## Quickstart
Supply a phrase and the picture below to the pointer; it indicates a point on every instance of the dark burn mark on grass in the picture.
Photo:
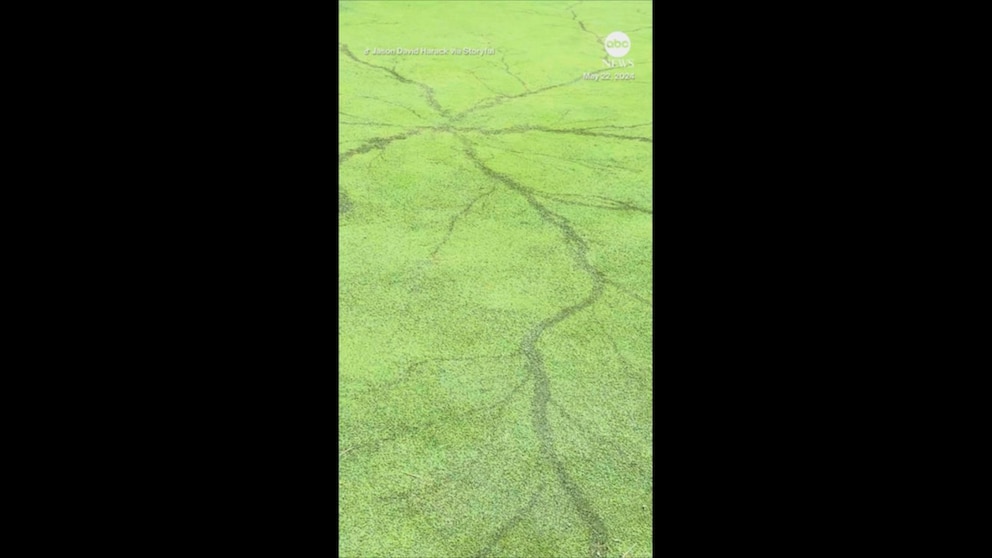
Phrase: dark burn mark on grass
(344, 203)
(615, 127)
(542, 396)
(428, 90)
(408, 372)
(570, 161)
(599, 40)
(534, 364)
(573, 131)
(494, 101)
(584, 429)
(465, 469)
(598, 533)
(629, 293)
(459, 215)
(375, 143)
(504, 529)
(506, 68)
(599, 202)
(495, 410)
(484, 84)
(381, 124)
(616, 349)
(395, 104)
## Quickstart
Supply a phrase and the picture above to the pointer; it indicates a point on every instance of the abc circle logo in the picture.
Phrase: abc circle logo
(617, 44)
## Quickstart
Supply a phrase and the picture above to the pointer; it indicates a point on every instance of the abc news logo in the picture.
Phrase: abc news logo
(617, 45)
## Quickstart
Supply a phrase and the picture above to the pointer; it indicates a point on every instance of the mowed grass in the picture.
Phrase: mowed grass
(454, 248)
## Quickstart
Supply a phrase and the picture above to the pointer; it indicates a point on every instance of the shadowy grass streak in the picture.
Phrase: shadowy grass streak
(598, 532)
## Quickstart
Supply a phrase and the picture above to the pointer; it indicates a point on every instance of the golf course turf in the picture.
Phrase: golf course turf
(495, 260)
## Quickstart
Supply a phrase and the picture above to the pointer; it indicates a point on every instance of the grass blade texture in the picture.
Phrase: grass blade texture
(495, 216)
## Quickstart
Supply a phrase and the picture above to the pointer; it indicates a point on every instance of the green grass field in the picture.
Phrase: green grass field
(495, 215)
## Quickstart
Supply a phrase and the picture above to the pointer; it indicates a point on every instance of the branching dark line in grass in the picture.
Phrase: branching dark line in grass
(590, 197)
(495, 410)
(459, 215)
(374, 143)
(507, 526)
(614, 127)
(428, 90)
(453, 476)
(493, 101)
(542, 396)
(407, 372)
(598, 532)
(344, 202)
(484, 84)
(382, 124)
(585, 430)
(596, 206)
(610, 204)
(571, 162)
(395, 104)
(629, 293)
(368, 166)
(466, 469)
(573, 131)
(506, 68)
(562, 116)
(574, 243)
(534, 12)
(638, 374)
(599, 40)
